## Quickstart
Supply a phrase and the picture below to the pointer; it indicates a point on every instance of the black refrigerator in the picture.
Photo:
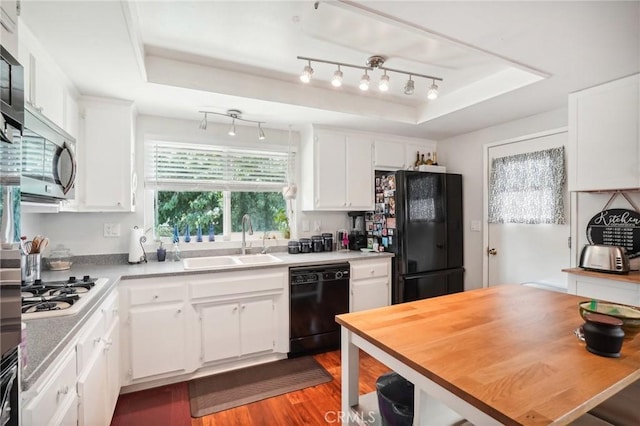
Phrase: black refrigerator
(418, 216)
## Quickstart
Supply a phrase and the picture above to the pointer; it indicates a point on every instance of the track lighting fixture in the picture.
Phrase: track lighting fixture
(234, 114)
(409, 87)
(336, 81)
(433, 91)
(373, 63)
(384, 82)
(307, 72)
(364, 82)
(203, 123)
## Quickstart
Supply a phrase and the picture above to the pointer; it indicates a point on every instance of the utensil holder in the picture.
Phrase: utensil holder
(30, 266)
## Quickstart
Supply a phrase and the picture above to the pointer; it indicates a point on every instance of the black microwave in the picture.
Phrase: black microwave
(11, 95)
(48, 160)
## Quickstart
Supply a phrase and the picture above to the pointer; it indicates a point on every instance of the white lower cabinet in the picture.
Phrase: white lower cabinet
(370, 284)
(81, 387)
(627, 293)
(232, 330)
(157, 334)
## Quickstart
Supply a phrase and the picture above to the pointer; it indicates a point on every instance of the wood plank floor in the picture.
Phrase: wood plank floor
(317, 405)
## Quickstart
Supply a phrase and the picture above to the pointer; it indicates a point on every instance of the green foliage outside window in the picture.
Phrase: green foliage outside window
(207, 207)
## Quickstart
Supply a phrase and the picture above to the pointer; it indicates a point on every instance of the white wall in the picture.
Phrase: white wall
(83, 232)
(463, 154)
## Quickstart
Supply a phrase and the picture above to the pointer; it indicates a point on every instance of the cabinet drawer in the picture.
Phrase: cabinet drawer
(156, 294)
(362, 270)
(226, 284)
(90, 340)
(53, 394)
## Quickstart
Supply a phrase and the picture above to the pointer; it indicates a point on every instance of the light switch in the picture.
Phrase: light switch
(476, 225)
(316, 226)
(305, 226)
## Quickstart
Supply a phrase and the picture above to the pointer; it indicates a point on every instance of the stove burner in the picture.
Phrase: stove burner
(47, 306)
(66, 290)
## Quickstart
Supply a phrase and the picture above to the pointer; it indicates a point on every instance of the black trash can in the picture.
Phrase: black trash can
(395, 400)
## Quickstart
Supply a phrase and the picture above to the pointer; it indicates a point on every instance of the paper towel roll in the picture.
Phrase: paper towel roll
(136, 254)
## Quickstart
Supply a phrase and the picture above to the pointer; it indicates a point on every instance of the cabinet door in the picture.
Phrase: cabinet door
(9, 26)
(330, 171)
(68, 414)
(106, 170)
(220, 332)
(603, 136)
(359, 171)
(47, 92)
(158, 340)
(92, 392)
(112, 359)
(369, 294)
(257, 330)
(389, 155)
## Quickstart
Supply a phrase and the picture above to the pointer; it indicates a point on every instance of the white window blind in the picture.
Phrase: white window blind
(173, 166)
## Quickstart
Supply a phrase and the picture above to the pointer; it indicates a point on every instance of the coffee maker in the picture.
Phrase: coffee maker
(357, 231)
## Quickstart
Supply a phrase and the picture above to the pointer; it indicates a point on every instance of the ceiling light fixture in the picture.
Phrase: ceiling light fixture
(409, 87)
(373, 63)
(432, 93)
(307, 72)
(384, 82)
(336, 81)
(203, 123)
(364, 81)
(234, 114)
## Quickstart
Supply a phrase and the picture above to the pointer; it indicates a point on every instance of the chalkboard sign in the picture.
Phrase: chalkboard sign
(616, 227)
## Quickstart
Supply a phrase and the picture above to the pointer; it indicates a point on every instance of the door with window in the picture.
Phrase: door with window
(527, 211)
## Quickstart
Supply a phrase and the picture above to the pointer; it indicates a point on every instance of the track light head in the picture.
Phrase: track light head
(203, 123)
(307, 73)
(261, 135)
(232, 129)
(409, 87)
(364, 81)
(336, 81)
(384, 82)
(432, 93)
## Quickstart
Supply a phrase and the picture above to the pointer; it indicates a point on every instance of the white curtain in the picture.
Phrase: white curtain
(528, 188)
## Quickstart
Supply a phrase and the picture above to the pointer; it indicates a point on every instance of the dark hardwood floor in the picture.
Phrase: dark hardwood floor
(317, 405)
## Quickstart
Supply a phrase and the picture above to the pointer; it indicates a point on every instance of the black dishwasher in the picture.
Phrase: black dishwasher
(317, 295)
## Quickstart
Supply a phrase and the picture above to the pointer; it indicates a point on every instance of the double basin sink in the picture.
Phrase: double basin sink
(225, 262)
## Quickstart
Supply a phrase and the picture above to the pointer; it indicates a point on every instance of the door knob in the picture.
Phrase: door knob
(492, 251)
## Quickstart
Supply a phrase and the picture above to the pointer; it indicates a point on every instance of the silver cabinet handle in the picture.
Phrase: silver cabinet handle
(63, 391)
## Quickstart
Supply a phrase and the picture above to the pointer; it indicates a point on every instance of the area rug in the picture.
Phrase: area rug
(231, 389)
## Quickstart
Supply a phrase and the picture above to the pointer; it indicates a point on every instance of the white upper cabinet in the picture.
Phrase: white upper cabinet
(106, 178)
(46, 88)
(395, 153)
(604, 143)
(389, 155)
(9, 26)
(337, 171)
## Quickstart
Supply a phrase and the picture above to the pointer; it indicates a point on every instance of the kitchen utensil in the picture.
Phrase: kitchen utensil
(629, 315)
(35, 244)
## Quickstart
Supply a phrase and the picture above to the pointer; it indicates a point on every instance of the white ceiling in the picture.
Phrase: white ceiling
(500, 61)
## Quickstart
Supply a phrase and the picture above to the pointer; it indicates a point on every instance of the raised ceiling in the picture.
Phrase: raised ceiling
(499, 60)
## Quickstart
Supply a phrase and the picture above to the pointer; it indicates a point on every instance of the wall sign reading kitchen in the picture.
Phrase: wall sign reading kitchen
(616, 227)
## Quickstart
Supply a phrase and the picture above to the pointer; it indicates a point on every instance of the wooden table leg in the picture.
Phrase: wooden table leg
(350, 360)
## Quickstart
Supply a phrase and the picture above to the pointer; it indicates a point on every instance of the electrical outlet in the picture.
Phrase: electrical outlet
(111, 230)
(476, 225)
(316, 226)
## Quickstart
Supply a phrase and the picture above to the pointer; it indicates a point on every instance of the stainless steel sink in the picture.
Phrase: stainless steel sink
(224, 262)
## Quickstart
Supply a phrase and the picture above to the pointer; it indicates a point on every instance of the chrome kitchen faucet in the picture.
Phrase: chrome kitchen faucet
(246, 218)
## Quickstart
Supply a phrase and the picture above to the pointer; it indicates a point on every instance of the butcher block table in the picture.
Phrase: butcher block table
(499, 355)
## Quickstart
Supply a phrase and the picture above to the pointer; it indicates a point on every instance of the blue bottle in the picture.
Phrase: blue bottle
(199, 234)
(211, 236)
(187, 237)
(176, 235)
